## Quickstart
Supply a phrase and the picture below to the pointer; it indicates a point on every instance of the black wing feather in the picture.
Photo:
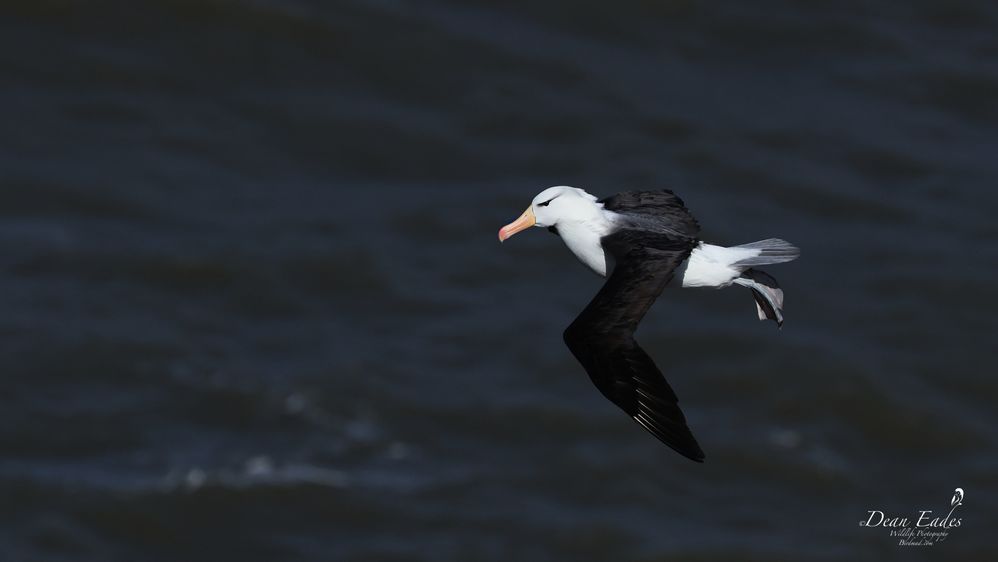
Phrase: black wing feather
(602, 337)
(656, 211)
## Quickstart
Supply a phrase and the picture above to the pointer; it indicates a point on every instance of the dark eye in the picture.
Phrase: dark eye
(546, 203)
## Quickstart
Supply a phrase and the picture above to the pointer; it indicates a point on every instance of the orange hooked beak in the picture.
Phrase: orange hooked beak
(525, 221)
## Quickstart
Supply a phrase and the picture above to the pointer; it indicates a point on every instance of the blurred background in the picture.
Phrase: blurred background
(253, 307)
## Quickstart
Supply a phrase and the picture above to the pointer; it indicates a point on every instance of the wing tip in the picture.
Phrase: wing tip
(698, 458)
(694, 453)
(686, 445)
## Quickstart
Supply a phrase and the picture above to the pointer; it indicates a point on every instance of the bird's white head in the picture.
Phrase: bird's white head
(554, 206)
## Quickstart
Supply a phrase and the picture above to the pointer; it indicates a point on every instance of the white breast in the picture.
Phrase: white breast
(583, 239)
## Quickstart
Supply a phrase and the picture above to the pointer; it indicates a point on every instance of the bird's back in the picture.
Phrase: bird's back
(660, 211)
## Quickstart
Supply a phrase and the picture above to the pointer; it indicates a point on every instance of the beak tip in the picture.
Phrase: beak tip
(525, 220)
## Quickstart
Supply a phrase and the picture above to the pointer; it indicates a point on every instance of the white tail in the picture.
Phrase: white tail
(717, 266)
(768, 251)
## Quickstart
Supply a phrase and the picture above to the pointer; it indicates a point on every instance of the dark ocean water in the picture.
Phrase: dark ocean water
(252, 304)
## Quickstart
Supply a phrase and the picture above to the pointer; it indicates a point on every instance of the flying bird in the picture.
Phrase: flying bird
(644, 239)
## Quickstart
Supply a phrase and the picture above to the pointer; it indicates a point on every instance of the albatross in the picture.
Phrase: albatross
(644, 239)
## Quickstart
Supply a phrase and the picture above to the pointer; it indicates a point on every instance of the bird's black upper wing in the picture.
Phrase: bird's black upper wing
(659, 211)
(602, 337)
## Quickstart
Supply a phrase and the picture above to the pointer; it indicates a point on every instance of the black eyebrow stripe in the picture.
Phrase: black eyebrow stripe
(545, 204)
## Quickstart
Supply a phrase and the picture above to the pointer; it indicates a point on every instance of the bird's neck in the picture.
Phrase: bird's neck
(583, 239)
